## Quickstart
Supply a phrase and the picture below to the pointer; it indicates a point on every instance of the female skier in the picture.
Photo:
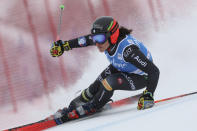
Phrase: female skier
(131, 68)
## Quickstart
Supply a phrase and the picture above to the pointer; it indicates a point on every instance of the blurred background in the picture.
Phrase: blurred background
(28, 27)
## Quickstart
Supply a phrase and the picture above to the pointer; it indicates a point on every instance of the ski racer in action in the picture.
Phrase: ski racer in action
(131, 68)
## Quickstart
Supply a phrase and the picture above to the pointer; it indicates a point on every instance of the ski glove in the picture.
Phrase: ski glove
(58, 48)
(145, 101)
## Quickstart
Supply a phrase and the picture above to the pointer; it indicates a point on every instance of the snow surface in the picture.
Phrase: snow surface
(174, 50)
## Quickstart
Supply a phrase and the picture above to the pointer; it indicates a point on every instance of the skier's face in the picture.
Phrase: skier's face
(102, 47)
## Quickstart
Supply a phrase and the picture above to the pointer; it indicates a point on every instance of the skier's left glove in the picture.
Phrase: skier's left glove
(145, 101)
(58, 48)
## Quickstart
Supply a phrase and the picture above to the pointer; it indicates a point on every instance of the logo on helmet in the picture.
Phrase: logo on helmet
(97, 26)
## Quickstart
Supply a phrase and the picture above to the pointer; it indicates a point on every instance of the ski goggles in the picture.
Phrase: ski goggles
(99, 38)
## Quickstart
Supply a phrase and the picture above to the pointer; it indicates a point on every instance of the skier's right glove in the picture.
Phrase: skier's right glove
(58, 48)
(145, 101)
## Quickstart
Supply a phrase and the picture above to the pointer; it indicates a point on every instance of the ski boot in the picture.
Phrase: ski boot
(60, 113)
(74, 113)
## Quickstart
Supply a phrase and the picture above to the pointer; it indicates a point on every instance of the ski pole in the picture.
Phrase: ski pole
(60, 22)
(175, 97)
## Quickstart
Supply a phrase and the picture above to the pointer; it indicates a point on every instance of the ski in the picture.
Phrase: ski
(45, 124)
(36, 126)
